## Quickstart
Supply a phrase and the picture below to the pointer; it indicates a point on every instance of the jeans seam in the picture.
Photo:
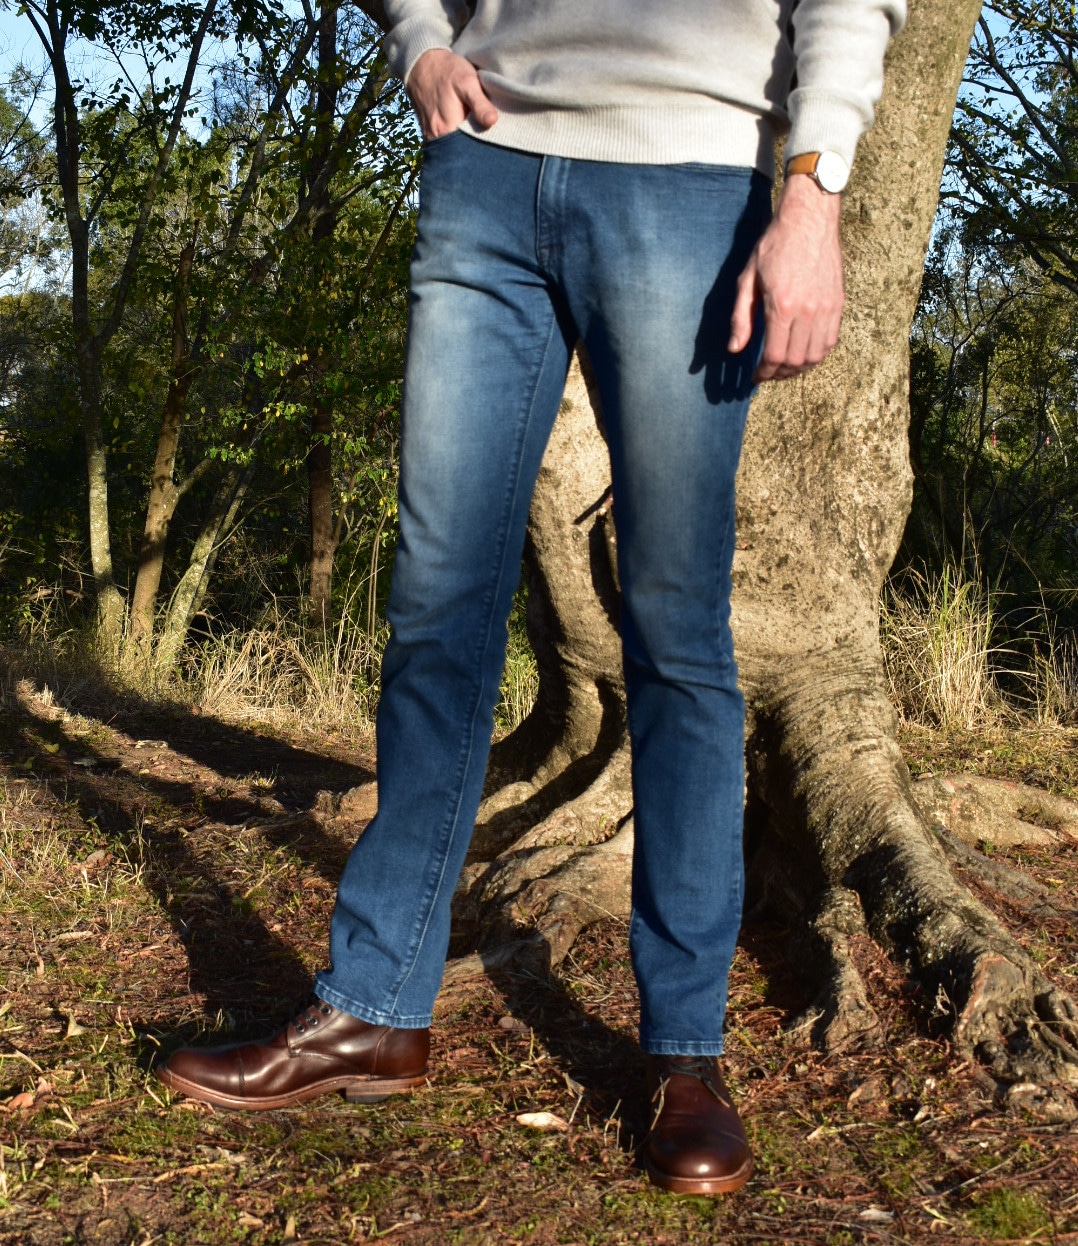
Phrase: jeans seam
(448, 831)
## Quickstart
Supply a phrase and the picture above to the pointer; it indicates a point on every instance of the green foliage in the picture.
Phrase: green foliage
(993, 386)
(1005, 1214)
(1015, 138)
(994, 395)
(293, 218)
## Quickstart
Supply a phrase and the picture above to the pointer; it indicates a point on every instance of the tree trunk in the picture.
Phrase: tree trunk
(838, 845)
(323, 530)
(110, 603)
(164, 493)
(320, 454)
(187, 598)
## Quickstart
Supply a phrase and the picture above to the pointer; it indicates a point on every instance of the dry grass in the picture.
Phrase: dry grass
(277, 672)
(520, 684)
(947, 672)
(280, 672)
(1054, 679)
(937, 643)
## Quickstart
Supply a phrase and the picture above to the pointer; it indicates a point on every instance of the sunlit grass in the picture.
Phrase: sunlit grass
(937, 641)
(947, 670)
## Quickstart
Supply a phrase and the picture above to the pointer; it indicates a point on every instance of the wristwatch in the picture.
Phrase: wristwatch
(827, 167)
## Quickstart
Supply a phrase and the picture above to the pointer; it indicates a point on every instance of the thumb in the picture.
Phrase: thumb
(478, 104)
(744, 307)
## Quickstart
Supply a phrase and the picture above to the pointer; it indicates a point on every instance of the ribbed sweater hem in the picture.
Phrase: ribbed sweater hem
(712, 132)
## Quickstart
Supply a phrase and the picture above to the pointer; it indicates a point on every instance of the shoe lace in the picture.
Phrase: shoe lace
(309, 1015)
(700, 1067)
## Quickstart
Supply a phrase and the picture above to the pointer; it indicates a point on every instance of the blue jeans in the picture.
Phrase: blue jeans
(517, 256)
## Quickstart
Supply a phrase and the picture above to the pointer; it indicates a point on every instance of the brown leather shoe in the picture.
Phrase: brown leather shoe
(697, 1143)
(320, 1050)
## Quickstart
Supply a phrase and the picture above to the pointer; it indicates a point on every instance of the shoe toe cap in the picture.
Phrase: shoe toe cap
(190, 1068)
(700, 1155)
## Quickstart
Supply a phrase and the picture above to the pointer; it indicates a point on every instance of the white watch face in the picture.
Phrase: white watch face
(832, 172)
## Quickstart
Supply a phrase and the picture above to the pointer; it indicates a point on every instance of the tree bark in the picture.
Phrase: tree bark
(110, 603)
(320, 454)
(838, 846)
(187, 598)
(320, 506)
(164, 492)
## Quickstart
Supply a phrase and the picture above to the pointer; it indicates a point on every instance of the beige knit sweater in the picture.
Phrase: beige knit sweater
(663, 81)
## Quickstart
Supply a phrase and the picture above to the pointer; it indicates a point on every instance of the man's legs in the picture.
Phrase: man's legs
(646, 259)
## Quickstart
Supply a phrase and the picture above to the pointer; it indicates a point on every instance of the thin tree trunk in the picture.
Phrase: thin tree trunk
(323, 529)
(188, 596)
(320, 454)
(110, 604)
(164, 493)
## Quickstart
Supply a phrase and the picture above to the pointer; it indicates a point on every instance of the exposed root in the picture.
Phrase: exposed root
(588, 817)
(577, 808)
(979, 810)
(1018, 1026)
(1050, 1104)
(1003, 879)
(840, 1018)
(555, 891)
(518, 956)
(844, 816)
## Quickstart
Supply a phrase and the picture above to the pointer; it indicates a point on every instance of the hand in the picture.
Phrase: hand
(445, 89)
(796, 272)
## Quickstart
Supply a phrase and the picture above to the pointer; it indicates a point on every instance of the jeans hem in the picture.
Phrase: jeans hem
(671, 1047)
(372, 1016)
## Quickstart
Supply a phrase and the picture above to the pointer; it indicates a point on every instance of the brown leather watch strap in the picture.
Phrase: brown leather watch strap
(805, 163)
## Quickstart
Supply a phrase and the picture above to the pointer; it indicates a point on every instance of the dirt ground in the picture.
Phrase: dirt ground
(168, 877)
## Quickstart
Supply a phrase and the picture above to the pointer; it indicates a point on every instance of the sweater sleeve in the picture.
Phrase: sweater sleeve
(416, 26)
(839, 46)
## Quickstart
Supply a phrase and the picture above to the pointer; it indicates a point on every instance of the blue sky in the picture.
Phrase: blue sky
(17, 39)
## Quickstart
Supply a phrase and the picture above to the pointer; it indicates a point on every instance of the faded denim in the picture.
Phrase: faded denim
(517, 256)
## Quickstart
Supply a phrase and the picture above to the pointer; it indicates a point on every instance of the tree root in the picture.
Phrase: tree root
(553, 891)
(564, 811)
(844, 818)
(979, 810)
(840, 1018)
(1003, 879)
(1024, 1033)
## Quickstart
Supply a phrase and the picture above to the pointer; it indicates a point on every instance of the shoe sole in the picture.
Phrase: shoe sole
(356, 1090)
(699, 1185)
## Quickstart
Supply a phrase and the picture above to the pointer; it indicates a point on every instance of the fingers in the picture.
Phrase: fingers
(793, 346)
(744, 309)
(796, 342)
(445, 89)
(796, 273)
(476, 102)
(800, 327)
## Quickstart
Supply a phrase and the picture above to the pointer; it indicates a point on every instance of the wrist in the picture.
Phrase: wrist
(802, 197)
(427, 59)
(826, 168)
